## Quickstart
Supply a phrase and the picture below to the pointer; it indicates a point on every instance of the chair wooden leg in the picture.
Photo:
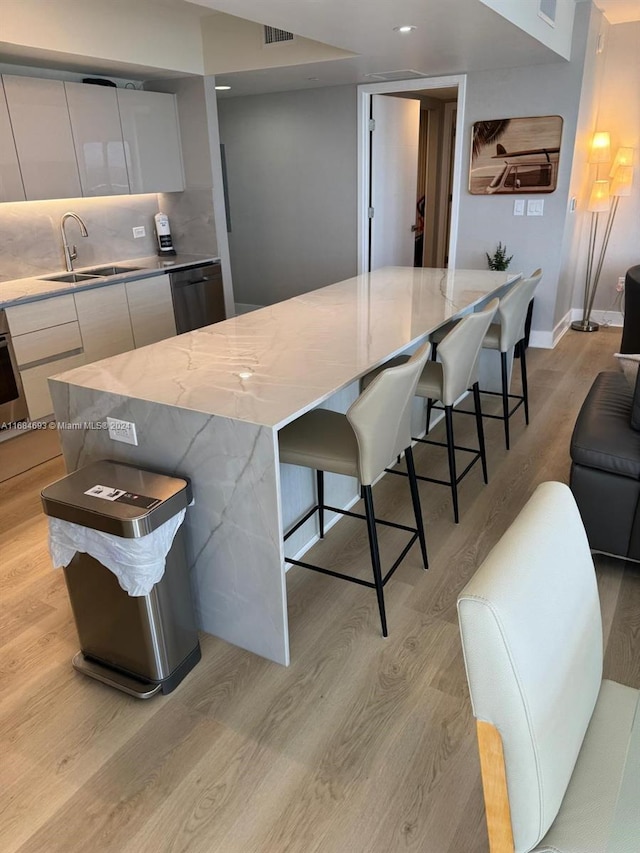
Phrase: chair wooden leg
(480, 428)
(494, 785)
(448, 415)
(415, 497)
(320, 487)
(505, 397)
(375, 555)
(525, 387)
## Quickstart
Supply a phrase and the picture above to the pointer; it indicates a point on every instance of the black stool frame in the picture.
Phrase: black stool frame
(379, 581)
(478, 453)
(523, 399)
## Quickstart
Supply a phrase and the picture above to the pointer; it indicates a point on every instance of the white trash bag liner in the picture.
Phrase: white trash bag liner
(137, 563)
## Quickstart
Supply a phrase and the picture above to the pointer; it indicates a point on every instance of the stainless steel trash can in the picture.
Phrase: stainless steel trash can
(144, 644)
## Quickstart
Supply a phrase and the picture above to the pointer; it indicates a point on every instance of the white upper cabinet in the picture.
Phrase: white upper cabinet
(11, 188)
(97, 136)
(151, 140)
(42, 132)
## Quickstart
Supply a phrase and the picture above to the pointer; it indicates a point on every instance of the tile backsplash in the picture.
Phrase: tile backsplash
(31, 245)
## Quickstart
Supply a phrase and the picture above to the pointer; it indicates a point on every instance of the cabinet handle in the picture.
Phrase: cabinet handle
(50, 359)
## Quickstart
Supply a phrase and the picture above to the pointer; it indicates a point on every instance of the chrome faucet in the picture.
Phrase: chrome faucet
(70, 252)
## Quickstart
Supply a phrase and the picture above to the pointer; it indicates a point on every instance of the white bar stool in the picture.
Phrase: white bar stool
(509, 332)
(376, 429)
(446, 381)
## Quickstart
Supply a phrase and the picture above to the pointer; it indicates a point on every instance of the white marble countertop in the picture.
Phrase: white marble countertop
(271, 365)
(32, 289)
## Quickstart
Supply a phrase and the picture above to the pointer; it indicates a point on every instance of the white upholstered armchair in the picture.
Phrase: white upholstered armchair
(559, 751)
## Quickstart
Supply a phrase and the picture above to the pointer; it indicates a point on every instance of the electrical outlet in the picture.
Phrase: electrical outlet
(518, 207)
(124, 431)
(620, 284)
(139, 231)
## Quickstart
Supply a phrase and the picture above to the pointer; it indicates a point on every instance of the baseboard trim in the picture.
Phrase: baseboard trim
(549, 340)
(27, 449)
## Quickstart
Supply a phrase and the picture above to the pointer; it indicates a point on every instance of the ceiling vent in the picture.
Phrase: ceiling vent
(272, 35)
(547, 11)
(393, 76)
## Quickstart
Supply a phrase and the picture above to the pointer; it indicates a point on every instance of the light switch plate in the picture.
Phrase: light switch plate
(518, 207)
(535, 207)
(139, 231)
(124, 431)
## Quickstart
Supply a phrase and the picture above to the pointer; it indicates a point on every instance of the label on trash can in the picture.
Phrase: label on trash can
(108, 493)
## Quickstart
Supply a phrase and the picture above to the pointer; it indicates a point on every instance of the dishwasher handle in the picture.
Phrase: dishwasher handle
(197, 281)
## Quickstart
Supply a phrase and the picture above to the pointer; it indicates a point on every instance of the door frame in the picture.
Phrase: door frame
(365, 91)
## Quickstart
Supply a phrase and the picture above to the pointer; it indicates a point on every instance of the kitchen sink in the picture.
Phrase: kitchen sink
(105, 271)
(71, 277)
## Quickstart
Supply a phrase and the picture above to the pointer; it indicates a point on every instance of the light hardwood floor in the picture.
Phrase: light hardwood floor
(363, 745)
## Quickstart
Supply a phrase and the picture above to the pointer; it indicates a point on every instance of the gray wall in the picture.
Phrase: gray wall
(291, 165)
(552, 89)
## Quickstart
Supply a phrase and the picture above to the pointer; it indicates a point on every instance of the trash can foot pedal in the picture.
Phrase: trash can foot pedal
(132, 686)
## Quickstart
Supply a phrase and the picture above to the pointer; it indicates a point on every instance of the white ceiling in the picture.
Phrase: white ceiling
(620, 11)
(451, 36)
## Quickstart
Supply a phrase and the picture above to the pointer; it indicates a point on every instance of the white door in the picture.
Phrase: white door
(394, 179)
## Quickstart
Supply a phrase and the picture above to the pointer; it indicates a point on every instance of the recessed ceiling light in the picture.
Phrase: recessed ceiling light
(404, 29)
(222, 88)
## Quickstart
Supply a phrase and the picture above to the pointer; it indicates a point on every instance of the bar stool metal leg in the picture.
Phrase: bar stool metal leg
(451, 450)
(480, 428)
(375, 555)
(415, 497)
(320, 488)
(505, 397)
(429, 407)
(525, 387)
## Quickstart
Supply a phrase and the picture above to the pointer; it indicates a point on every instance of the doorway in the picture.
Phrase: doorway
(434, 190)
(410, 167)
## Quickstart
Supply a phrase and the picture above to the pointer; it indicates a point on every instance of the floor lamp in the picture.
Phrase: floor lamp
(605, 197)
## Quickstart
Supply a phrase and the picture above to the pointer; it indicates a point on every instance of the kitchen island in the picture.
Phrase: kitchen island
(208, 405)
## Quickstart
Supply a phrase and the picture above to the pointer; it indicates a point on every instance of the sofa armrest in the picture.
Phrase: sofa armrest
(602, 437)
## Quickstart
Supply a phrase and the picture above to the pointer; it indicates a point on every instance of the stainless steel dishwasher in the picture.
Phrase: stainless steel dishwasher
(198, 297)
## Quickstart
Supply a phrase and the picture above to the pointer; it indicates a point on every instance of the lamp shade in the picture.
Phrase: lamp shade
(599, 198)
(624, 157)
(600, 148)
(622, 180)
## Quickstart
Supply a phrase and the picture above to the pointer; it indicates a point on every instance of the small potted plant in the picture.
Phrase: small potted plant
(499, 260)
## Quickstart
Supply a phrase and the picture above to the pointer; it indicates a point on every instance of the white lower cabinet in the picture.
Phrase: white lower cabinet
(57, 334)
(103, 315)
(151, 310)
(36, 386)
(46, 340)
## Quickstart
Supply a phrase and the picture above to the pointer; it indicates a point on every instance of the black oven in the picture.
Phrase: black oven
(13, 406)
